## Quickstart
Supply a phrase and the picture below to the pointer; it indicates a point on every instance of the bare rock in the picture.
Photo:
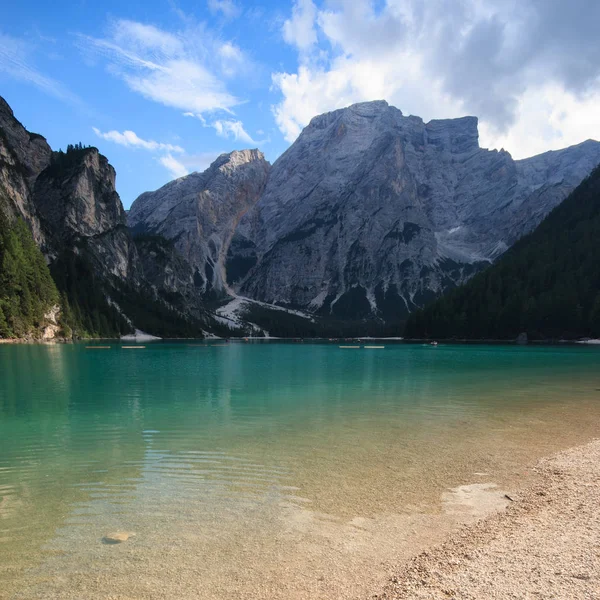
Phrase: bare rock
(201, 211)
(117, 537)
(371, 212)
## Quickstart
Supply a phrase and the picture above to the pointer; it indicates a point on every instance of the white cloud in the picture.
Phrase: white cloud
(314, 90)
(175, 167)
(228, 8)
(201, 161)
(183, 70)
(232, 59)
(131, 139)
(300, 30)
(530, 71)
(548, 118)
(178, 166)
(234, 129)
(16, 62)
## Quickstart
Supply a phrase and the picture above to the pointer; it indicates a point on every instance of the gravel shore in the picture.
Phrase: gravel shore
(545, 545)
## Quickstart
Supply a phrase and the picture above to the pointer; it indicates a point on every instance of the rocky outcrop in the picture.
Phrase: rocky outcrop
(52, 328)
(78, 205)
(68, 200)
(201, 211)
(23, 156)
(371, 213)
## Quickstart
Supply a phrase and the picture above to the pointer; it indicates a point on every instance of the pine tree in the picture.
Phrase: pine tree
(547, 284)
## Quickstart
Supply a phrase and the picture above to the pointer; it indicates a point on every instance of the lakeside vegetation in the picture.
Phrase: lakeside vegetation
(547, 285)
(27, 291)
(280, 323)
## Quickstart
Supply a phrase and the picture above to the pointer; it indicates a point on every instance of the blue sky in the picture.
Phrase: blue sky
(162, 87)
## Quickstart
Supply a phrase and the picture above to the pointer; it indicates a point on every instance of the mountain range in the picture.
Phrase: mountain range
(368, 216)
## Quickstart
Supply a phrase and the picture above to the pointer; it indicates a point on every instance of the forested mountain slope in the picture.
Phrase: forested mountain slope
(67, 257)
(28, 296)
(547, 284)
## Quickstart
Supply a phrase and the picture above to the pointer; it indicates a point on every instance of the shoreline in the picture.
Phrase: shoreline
(544, 544)
(391, 340)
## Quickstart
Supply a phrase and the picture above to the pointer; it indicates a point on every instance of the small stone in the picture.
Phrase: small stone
(117, 538)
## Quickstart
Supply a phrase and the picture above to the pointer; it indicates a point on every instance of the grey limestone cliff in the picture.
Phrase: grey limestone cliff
(77, 204)
(372, 213)
(69, 201)
(369, 213)
(200, 213)
(23, 156)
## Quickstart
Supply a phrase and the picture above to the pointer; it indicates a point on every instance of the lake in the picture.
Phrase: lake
(264, 470)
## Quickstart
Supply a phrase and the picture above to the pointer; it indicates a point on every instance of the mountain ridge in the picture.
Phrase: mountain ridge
(75, 217)
(368, 216)
(547, 286)
(371, 214)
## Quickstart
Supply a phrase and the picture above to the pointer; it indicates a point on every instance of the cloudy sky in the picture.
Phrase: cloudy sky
(162, 87)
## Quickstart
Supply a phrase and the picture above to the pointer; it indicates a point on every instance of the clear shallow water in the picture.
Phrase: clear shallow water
(261, 470)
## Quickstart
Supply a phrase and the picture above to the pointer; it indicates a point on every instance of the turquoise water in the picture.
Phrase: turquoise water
(260, 470)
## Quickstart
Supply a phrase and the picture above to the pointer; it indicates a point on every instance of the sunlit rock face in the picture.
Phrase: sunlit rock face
(80, 209)
(369, 213)
(373, 213)
(23, 156)
(69, 201)
(200, 212)
(71, 205)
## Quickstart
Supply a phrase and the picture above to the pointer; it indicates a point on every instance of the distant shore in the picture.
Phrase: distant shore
(151, 338)
(545, 544)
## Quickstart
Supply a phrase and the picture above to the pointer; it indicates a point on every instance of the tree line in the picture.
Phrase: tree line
(547, 285)
(27, 291)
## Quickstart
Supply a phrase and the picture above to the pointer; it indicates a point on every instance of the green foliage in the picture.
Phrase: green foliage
(153, 239)
(27, 291)
(154, 316)
(61, 162)
(86, 310)
(288, 325)
(547, 284)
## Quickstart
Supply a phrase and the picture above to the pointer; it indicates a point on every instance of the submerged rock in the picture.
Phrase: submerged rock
(117, 537)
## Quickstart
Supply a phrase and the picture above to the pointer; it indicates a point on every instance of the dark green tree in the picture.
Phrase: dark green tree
(547, 284)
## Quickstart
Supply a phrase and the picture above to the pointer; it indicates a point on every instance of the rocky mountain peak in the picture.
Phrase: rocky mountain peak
(458, 136)
(29, 149)
(76, 196)
(201, 211)
(237, 158)
(23, 155)
(370, 212)
(354, 112)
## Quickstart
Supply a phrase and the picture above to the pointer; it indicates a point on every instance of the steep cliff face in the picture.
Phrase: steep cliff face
(201, 211)
(70, 204)
(23, 156)
(371, 213)
(78, 206)
(104, 271)
(28, 296)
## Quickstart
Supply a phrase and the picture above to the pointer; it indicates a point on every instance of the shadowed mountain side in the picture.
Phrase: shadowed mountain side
(547, 284)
